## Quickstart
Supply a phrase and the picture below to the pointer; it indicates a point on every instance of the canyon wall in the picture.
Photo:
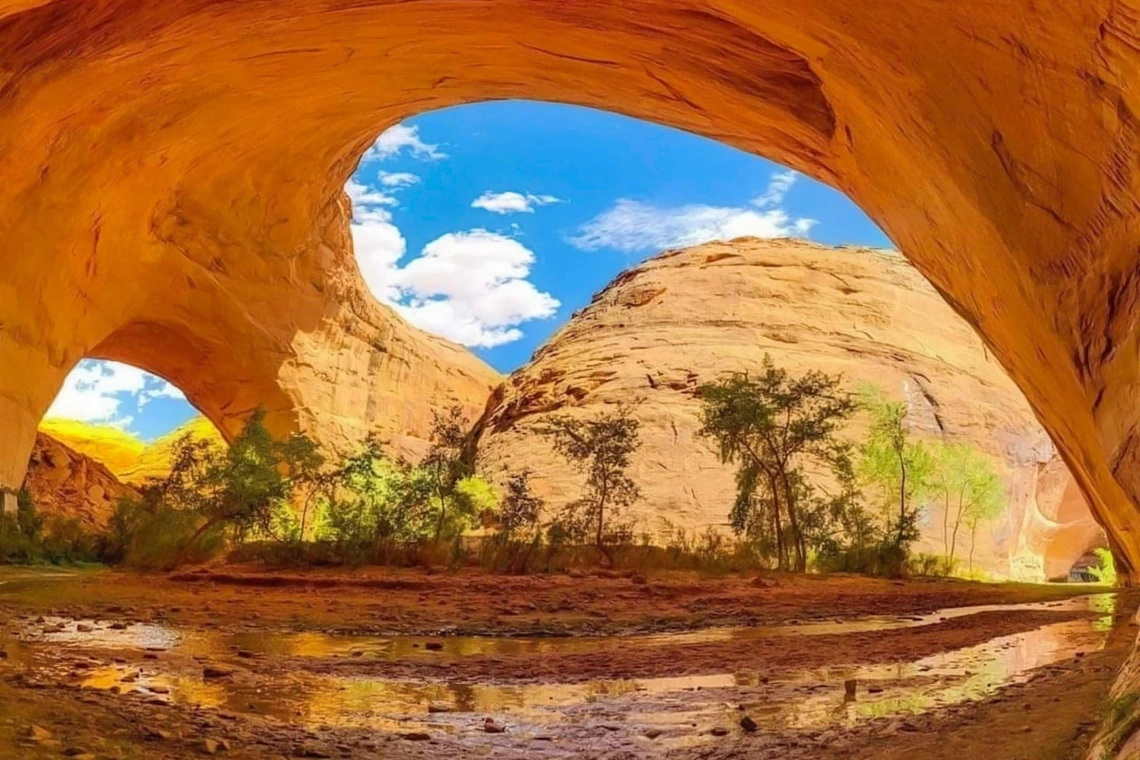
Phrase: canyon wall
(68, 484)
(172, 175)
(683, 318)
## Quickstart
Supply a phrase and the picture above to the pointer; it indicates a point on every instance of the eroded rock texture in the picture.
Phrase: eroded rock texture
(65, 483)
(170, 179)
(663, 328)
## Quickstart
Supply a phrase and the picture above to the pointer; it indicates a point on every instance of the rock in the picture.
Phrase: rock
(66, 483)
(719, 731)
(748, 724)
(416, 736)
(653, 733)
(440, 707)
(158, 735)
(215, 746)
(685, 317)
(216, 671)
(434, 646)
(849, 687)
(118, 626)
(492, 727)
(83, 628)
(37, 733)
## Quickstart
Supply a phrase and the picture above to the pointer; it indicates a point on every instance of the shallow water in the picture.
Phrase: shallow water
(680, 707)
(401, 648)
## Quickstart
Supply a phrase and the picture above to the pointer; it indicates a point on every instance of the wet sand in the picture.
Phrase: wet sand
(335, 665)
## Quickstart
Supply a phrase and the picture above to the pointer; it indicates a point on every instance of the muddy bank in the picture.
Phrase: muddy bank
(414, 601)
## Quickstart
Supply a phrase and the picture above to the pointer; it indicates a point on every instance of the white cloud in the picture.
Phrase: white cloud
(511, 202)
(778, 187)
(395, 140)
(97, 391)
(632, 226)
(362, 195)
(470, 287)
(379, 246)
(397, 179)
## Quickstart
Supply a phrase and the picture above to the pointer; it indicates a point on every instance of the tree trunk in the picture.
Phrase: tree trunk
(601, 512)
(957, 526)
(793, 519)
(181, 557)
(973, 537)
(946, 524)
(781, 558)
(902, 494)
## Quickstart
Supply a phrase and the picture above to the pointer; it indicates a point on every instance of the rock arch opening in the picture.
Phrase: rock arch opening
(445, 220)
(156, 177)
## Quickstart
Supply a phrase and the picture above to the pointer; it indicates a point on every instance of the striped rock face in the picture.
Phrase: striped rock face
(684, 318)
(171, 176)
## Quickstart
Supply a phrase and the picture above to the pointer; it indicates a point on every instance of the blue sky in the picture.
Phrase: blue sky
(490, 224)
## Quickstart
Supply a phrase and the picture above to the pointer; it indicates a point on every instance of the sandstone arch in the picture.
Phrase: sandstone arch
(154, 151)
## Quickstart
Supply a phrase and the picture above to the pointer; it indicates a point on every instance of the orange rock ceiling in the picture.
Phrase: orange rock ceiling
(171, 174)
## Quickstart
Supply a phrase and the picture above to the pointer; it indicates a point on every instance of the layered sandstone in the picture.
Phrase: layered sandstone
(67, 484)
(172, 175)
(683, 318)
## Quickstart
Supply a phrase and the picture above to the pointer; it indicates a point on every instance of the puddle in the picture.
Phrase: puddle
(680, 707)
(143, 635)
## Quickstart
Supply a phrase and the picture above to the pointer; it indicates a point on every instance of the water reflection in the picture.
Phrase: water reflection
(681, 706)
(807, 699)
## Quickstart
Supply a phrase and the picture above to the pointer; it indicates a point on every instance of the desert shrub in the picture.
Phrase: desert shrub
(20, 532)
(1105, 571)
(519, 536)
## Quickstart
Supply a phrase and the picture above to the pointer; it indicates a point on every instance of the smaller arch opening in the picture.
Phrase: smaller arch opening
(110, 430)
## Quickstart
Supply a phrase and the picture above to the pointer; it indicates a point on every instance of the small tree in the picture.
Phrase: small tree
(521, 508)
(600, 447)
(445, 459)
(772, 425)
(964, 480)
(896, 468)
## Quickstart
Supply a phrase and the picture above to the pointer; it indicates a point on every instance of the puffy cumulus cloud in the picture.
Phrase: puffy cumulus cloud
(470, 287)
(102, 392)
(379, 245)
(632, 226)
(399, 139)
(511, 202)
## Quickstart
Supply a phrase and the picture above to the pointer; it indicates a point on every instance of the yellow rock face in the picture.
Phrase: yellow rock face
(660, 330)
(171, 176)
(154, 459)
(116, 449)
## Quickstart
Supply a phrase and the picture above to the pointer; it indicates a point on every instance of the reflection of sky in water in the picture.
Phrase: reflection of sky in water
(809, 699)
(403, 648)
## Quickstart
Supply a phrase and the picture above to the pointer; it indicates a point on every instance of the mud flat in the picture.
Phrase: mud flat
(256, 665)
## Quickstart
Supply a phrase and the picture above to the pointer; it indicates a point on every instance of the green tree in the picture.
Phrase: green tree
(964, 481)
(445, 461)
(772, 426)
(600, 447)
(521, 509)
(894, 467)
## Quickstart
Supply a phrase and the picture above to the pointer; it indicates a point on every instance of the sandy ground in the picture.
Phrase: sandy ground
(413, 664)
